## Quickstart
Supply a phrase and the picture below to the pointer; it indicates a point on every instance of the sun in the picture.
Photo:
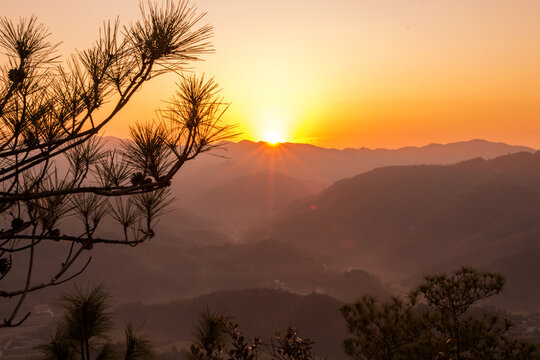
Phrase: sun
(273, 125)
(273, 137)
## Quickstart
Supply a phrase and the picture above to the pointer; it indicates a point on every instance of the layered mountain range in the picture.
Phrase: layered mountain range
(244, 221)
(413, 220)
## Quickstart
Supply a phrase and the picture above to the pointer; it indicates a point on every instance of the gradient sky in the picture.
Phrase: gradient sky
(348, 73)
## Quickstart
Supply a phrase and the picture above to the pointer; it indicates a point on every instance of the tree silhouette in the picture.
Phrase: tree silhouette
(87, 318)
(218, 338)
(211, 335)
(84, 330)
(51, 113)
(137, 347)
(434, 322)
(58, 347)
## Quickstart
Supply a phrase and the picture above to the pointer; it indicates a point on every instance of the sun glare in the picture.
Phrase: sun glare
(273, 126)
(273, 137)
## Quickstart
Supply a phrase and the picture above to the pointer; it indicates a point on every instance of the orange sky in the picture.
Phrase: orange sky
(349, 73)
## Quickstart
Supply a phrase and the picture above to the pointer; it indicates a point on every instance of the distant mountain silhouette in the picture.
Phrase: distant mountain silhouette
(246, 181)
(424, 219)
(416, 219)
(306, 161)
(260, 312)
(241, 183)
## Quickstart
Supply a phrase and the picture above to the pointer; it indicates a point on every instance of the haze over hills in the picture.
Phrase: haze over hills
(402, 219)
(365, 222)
(262, 177)
(248, 223)
(246, 182)
(245, 199)
(159, 271)
(410, 220)
(425, 219)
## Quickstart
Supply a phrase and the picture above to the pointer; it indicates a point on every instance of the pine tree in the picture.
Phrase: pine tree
(52, 113)
(434, 322)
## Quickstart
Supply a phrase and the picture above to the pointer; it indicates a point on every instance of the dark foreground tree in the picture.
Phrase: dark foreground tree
(137, 346)
(434, 322)
(218, 338)
(87, 318)
(83, 331)
(51, 114)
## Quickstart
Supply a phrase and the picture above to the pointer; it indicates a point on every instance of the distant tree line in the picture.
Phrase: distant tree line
(435, 321)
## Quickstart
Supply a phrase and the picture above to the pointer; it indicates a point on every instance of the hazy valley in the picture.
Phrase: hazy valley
(321, 227)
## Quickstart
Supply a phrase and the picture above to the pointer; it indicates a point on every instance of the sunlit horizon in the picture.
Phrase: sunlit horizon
(384, 74)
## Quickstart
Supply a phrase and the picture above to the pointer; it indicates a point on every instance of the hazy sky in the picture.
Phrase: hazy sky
(349, 73)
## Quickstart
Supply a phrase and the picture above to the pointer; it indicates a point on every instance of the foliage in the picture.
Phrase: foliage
(434, 322)
(52, 113)
(137, 346)
(218, 338)
(85, 327)
(290, 346)
(87, 317)
(58, 346)
(385, 331)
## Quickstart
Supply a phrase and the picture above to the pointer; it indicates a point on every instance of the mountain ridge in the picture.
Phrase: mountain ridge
(413, 219)
(477, 141)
